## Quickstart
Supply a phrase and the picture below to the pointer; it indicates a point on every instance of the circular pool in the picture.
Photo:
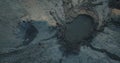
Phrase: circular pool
(80, 28)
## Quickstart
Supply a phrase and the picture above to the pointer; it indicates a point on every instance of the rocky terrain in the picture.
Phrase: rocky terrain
(59, 31)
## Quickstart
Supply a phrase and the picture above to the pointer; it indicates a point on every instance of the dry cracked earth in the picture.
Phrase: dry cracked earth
(59, 31)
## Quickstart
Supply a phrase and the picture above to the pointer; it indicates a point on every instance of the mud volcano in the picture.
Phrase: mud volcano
(76, 32)
(80, 28)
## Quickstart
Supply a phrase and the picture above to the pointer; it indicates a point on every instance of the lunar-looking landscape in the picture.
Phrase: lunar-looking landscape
(59, 31)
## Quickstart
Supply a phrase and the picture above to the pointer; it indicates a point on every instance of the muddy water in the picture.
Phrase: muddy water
(80, 28)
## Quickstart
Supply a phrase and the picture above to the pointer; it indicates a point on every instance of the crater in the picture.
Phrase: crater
(80, 29)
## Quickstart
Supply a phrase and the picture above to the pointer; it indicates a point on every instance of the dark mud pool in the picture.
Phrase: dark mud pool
(80, 28)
